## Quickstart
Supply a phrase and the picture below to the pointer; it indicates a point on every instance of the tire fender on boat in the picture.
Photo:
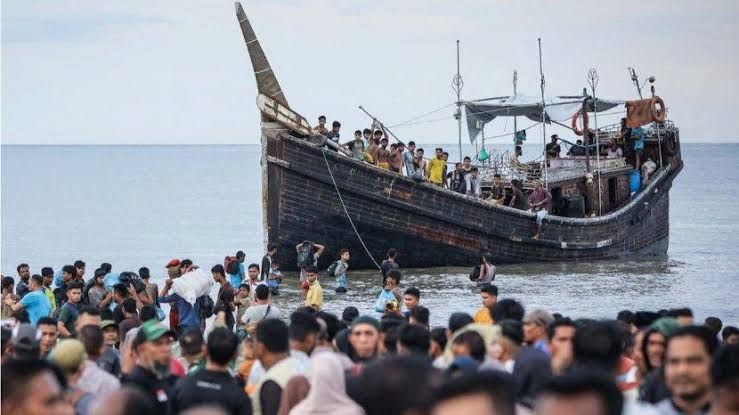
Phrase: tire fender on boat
(658, 115)
(579, 114)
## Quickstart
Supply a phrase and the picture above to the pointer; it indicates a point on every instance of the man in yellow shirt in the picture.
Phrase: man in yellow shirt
(489, 295)
(435, 168)
(314, 298)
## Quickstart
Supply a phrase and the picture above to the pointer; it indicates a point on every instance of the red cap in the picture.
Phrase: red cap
(172, 263)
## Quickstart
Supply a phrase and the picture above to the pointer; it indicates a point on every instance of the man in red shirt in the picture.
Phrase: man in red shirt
(539, 201)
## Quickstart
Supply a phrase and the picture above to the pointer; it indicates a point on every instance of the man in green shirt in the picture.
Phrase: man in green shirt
(48, 274)
(70, 310)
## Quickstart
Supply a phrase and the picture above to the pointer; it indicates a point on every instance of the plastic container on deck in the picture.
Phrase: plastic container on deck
(634, 181)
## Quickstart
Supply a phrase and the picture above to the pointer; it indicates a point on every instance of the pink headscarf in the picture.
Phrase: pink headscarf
(327, 394)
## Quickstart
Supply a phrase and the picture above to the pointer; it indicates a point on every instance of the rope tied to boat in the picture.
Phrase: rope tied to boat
(346, 211)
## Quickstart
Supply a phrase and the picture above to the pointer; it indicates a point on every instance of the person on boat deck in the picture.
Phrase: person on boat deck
(383, 155)
(647, 169)
(374, 146)
(321, 127)
(473, 182)
(456, 179)
(517, 199)
(517, 152)
(576, 150)
(497, 192)
(418, 174)
(396, 157)
(445, 157)
(467, 164)
(333, 135)
(357, 146)
(408, 159)
(553, 148)
(614, 151)
(420, 153)
(539, 200)
(435, 168)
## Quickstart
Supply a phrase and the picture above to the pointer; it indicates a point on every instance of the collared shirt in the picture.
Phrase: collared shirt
(538, 196)
(541, 345)
(314, 298)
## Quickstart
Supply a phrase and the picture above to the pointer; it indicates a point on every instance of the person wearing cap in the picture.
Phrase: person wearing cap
(35, 302)
(173, 268)
(535, 329)
(70, 356)
(364, 338)
(153, 349)
(26, 342)
(192, 348)
(110, 333)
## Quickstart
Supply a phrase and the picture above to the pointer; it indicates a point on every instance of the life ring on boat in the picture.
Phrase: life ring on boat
(669, 145)
(658, 115)
(579, 114)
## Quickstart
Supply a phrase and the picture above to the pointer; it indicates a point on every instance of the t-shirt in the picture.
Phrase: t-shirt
(538, 196)
(21, 289)
(127, 325)
(257, 313)
(96, 295)
(50, 295)
(207, 387)
(615, 154)
(408, 161)
(553, 149)
(436, 170)
(357, 148)
(37, 305)
(519, 202)
(68, 315)
(497, 192)
(386, 266)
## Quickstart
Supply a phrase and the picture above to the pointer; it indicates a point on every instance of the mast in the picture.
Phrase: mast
(457, 85)
(593, 80)
(515, 123)
(543, 118)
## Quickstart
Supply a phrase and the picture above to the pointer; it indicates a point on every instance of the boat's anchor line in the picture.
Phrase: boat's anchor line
(346, 212)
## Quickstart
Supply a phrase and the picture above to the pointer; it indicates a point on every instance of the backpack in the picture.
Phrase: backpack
(305, 255)
(475, 274)
(331, 270)
(231, 265)
(205, 306)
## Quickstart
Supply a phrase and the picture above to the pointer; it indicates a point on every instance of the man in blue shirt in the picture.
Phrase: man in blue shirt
(408, 159)
(188, 316)
(35, 302)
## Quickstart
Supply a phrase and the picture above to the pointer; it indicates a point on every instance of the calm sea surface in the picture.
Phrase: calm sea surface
(140, 206)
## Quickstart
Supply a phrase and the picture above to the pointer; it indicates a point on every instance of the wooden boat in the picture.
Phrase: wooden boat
(311, 191)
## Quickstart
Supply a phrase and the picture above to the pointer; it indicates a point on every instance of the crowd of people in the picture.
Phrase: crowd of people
(103, 345)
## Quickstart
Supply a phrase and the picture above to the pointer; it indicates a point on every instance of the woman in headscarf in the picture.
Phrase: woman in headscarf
(327, 389)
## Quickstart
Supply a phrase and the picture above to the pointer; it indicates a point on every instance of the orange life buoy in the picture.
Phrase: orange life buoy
(658, 115)
(577, 116)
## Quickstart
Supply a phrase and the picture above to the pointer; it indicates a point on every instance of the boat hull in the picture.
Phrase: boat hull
(430, 226)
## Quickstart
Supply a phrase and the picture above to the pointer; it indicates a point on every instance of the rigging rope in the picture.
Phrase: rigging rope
(341, 199)
(421, 116)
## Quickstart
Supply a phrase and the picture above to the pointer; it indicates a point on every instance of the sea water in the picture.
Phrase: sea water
(138, 206)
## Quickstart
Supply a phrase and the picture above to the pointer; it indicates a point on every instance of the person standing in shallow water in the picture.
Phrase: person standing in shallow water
(342, 266)
(388, 264)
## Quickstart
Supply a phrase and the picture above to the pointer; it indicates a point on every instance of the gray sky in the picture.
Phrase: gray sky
(94, 72)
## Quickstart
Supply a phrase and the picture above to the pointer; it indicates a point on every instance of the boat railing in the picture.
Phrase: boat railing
(652, 131)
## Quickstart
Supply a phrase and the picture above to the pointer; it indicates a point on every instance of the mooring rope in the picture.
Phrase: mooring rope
(341, 199)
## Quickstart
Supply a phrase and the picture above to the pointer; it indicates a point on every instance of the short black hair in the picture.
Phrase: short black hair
(459, 320)
(261, 292)
(725, 367)
(273, 333)
(185, 263)
(439, 149)
(39, 280)
(47, 321)
(90, 310)
(79, 263)
(332, 323)
(394, 274)
(311, 269)
(222, 345)
(421, 314)
(21, 266)
(366, 130)
(22, 372)
(91, 337)
(74, 285)
(106, 266)
(336, 124)
(577, 382)
(474, 342)
(272, 247)
(507, 309)
(489, 289)
(714, 323)
(598, 344)
(466, 158)
(680, 312)
(121, 289)
(7, 282)
(191, 341)
(498, 386)
(99, 273)
(511, 330)
(129, 305)
(321, 117)
(350, 313)
(357, 132)
(729, 331)
(415, 338)
(218, 269)
(702, 333)
(47, 272)
(69, 269)
(392, 252)
(413, 291)
(253, 265)
(302, 325)
(496, 176)
(438, 334)
(144, 273)
(559, 322)
(411, 143)
(627, 316)
(147, 312)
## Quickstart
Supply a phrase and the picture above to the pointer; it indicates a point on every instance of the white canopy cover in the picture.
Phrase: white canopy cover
(559, 109)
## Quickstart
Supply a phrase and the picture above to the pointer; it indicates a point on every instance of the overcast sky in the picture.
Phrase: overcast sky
(161, 72)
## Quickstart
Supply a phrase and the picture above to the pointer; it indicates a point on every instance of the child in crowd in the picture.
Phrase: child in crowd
(342, 265)
(275, 278)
